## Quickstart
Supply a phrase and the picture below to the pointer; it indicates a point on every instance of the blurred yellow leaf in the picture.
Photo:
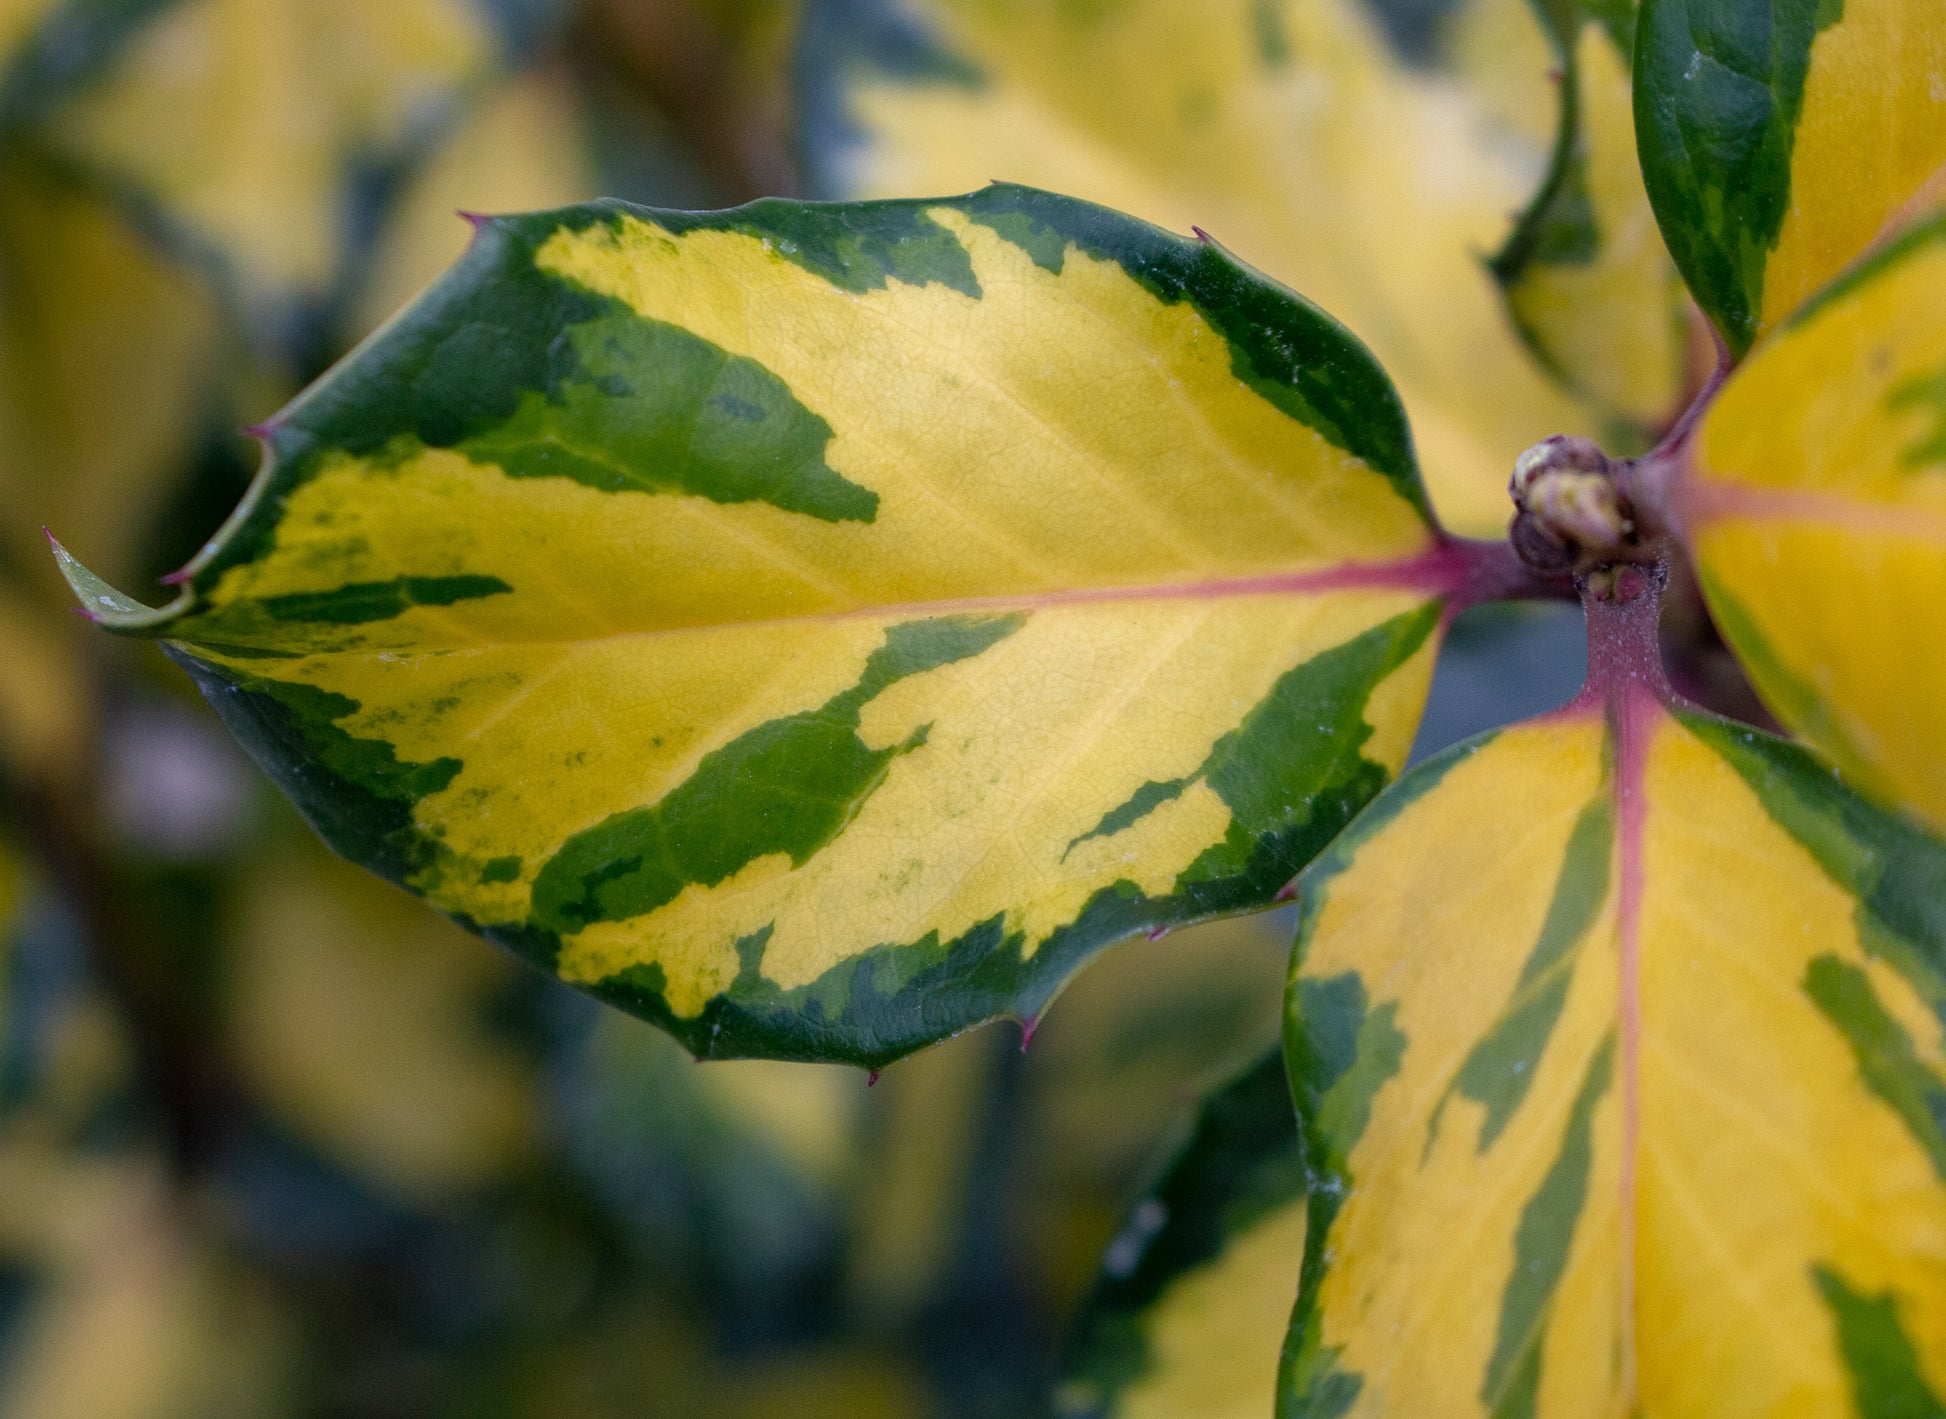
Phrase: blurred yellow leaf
(1586, 275)
(107, 353)
(524, 147)
(135, 1320)
(43, 700)
(245, 122)
(358, 1018)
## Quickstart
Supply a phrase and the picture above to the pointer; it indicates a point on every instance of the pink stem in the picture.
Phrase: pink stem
(1627, 684)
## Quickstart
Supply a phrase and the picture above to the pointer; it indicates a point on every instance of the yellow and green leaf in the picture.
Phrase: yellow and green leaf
(44, 703)
(1620, 1042)
(1815, 506)
(1188, 1318)
(363, 1026)
(251, 129)
(92, 316)
(819, 628)
(1780, 137)
(1585, 274)
(1288, 129)
(49, 46)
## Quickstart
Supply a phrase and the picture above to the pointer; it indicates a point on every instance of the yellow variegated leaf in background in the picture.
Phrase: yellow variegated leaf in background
(523, 147)
(362, 1023)
(134, 1313)
(1780, 137)
(108, 354)
(17, 21)
(244, 125)
(1815, 505)
(819, 628)
(44, 710)
(1618, 1040)
(1287, 129)
(1188, 1319)
(1585, 273)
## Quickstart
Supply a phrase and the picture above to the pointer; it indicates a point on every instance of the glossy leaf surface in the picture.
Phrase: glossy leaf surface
(1618, 1037)
(1585, 273)
(1780, 136)
(1290, 131)
(819, 628)
(1816, 507)
(1188, 1319)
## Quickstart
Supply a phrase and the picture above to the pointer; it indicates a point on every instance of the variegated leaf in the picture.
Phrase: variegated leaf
(90, 306)
(1815, 504)
(819, 628)
(43, 693)
(1585, 273)
(49, 46)
(1779, 137)
(1289, 129)
(1618, 1040)
(364, 1027)
(1188, 1319)
(252, 129)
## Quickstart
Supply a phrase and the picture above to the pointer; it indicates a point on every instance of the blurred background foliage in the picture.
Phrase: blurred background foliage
(273, 1138)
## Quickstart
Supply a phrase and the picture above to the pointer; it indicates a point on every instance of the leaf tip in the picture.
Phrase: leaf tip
(100, 602)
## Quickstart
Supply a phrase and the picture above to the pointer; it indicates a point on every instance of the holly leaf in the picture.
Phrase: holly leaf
(1618, 1040)
(1779, 137)
(1189, 1315)
(92, 306)
(1585, 274)
(364, 1028)
(257, 132)
(44, 701)
(820, 628)
(1815, 505)
(1292, 131)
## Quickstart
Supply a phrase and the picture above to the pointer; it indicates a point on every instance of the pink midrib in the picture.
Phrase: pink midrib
(1634, 708)
(1705, 501)
(1460, 571)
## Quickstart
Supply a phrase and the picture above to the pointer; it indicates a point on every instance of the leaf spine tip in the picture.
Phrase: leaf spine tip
(1204, 237)
(1286, 893)
(871, 1078)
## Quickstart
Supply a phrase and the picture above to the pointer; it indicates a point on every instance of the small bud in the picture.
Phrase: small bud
(1571, 513)
(1537, 549)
